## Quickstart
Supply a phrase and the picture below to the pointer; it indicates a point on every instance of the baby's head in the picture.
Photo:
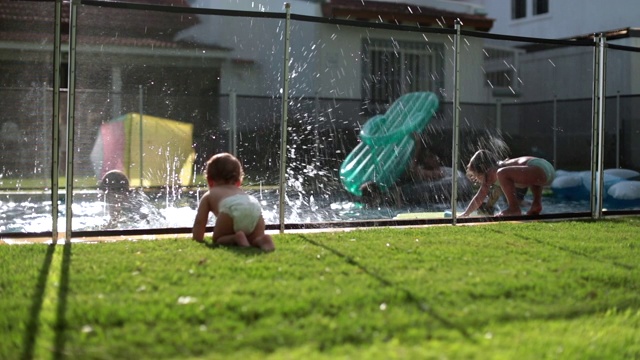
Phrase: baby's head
(224, 169)
(114, 180)
(481, 162)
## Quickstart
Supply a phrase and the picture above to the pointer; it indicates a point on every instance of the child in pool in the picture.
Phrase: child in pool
(117, 194)
(239, 218)
(127, 207)
(425, 165)
(527, 171)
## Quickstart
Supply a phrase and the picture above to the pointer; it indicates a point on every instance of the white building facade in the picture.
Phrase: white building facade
(559, 19)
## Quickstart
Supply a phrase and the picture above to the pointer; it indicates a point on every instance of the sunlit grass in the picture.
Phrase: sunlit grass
(501, 291)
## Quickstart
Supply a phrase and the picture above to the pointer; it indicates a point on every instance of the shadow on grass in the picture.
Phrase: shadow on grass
(574, 312)
(578, 312)
(33, 330)
(571, 251)
(236, 249)
(421, 304)
(61, 324)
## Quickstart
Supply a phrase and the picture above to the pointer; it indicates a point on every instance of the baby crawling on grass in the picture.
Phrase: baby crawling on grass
(239, 218)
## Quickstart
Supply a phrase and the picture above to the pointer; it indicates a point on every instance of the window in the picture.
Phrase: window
(392, 68)
(518, 9)
(501, 74)
(499, 78)
(540, 7)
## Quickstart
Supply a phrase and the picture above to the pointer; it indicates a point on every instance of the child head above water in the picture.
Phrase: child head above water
(481, 162)
(224, 169)
(114, 180)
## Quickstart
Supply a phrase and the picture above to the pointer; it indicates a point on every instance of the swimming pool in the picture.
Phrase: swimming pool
(159, 209)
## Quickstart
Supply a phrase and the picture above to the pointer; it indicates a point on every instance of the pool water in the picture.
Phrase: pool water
(162, 210)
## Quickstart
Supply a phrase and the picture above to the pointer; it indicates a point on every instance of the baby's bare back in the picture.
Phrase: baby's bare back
(519, 161)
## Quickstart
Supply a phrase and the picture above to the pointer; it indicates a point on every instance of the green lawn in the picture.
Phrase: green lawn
(537, 290)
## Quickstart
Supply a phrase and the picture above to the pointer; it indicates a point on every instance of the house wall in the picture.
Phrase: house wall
(257, 44)
(547, 74)
(340, 68)
(472, 78)
(632, 73)
(566, 18)
(325, 59)
(326, 109)
(565, 72)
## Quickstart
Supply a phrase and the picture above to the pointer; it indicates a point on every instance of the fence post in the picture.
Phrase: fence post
(618, 129)
(597, 134)
(71, 104)
(456, 122)
(141, 112)
(555, 131)
(55, 132)
(233, 123)
(283, 128)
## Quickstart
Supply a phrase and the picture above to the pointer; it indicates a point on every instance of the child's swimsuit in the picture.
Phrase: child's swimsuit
(546, 166)
(245, 211)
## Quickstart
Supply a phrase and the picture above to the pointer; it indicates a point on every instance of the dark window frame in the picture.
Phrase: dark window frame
(518, 9)
(540, 7)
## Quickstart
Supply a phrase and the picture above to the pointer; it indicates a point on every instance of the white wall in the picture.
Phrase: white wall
(565, 73)
(325, 59)
(257, 56)
(566, 18)
(340, 64)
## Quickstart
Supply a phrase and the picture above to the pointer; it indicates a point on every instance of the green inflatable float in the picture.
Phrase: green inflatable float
(387, 143)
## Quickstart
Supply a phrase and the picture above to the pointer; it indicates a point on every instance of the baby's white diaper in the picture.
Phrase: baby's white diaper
(245, 211)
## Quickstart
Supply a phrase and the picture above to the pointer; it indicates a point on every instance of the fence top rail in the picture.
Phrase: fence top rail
(346, 22)
(623, 47)
(577, 42)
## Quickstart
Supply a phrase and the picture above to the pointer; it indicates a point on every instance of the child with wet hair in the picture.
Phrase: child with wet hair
(117, 194)
(239, 218)
(128, 208)
(485, 169)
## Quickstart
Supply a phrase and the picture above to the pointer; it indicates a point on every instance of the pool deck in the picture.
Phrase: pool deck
(18, 240)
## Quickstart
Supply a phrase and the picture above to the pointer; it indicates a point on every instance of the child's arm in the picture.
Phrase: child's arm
(477, 200)
(202, 217)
